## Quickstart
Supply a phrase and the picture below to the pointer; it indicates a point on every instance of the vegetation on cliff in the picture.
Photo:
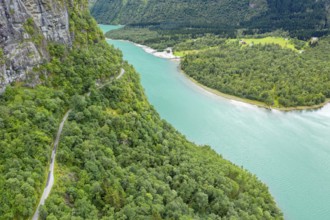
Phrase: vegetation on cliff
(2, 60)
(118, 159)
(156, 39)
(29, 117)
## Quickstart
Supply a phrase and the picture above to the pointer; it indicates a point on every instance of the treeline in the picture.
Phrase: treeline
(161, 39)
(208, 41)
(268, 73)
(156, 39)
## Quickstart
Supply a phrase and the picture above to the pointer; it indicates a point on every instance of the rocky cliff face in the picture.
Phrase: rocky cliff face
(25, 28)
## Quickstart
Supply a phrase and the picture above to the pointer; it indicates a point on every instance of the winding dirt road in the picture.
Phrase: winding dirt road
(50, 178)
(122, 72)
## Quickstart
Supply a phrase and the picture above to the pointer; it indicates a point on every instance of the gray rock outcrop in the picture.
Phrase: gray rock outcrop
(25, 28)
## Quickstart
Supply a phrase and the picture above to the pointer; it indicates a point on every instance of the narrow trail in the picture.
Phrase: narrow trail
(50, 178)
(122, 72)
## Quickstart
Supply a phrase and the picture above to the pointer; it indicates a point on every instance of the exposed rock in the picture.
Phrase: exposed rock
(23, 49)
(52, 19)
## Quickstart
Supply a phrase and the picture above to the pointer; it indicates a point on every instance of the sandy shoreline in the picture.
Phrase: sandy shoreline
(254, 102)
(168, 54)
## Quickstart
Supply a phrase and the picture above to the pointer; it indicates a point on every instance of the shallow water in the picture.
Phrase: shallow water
(290, 152)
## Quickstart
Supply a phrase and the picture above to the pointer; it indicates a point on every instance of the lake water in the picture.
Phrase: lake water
(290, 152)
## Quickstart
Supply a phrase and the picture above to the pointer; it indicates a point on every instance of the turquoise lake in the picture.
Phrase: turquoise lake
(290, 152)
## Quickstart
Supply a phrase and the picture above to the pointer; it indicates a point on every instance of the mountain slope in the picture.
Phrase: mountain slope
(311, 17)
(116, 158)
(300, 18)
(210, 13)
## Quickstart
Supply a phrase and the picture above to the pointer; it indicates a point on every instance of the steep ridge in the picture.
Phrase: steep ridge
(174, 13)
(300, 18)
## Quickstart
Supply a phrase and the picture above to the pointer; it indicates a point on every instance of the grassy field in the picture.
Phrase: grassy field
(283, 42)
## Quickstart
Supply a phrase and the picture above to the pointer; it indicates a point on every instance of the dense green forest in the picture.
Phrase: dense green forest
(117, 159)
(161, 39)
(29, 117)
(277, 76)
(302, 19)
(157, 39)
(28, 120)
(174, 13)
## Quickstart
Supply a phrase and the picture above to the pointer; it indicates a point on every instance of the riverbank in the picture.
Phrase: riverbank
(254, 102)
(268, 143)
(168, 54)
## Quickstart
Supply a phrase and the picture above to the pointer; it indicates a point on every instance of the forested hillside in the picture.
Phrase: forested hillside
(29, 117)
(119, 160)
(177, 13)
(301, 18)
(116, 159)
(277, 75)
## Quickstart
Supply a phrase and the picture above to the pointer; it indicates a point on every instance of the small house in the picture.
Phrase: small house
(314, 41)
(242, 42)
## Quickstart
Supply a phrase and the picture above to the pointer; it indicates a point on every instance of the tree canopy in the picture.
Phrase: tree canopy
(116, 158)
(302, 19)
(277, 76)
